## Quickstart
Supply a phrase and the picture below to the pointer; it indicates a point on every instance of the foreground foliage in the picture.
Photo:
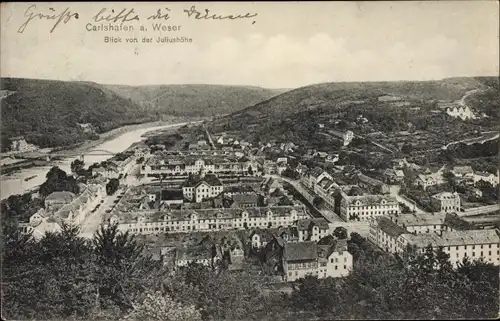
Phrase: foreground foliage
(63, 276)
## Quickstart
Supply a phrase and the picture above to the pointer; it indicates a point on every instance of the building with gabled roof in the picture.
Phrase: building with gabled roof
(326, 258)
(260, 237)
(198, 188)
(385, 233)
(314, 176)
(56, 200)
(243, 201)
(312, 229)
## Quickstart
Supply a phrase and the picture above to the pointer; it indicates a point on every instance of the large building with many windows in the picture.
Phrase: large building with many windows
(447, 202)
(364, 207)
(475, 244)
(184, 221)
(183, 166)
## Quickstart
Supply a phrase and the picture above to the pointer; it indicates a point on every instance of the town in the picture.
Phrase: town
(278, 212)
(250, 161)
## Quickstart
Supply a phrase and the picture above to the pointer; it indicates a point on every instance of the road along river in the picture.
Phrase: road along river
(16, 184)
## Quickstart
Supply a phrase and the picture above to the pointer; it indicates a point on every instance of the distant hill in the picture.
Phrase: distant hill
(329, 101)
(194, 100)
(50, 113)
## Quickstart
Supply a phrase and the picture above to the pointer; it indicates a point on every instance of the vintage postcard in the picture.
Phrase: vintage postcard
(250, 160)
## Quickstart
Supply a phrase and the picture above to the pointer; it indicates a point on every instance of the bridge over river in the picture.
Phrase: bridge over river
(29, 178)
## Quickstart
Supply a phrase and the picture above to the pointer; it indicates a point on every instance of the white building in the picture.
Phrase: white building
(346, 137)
(317, 259)
(474, 244)
(460, 112)
(448, 202)
(19, 144)
(185, 221)
(196, 189)
(326, 189)
(486, 177)
(385, 232)
(314, 176)
(364, 207)
(183, 166)
(259, 238)
(422, 223)
(312, 229)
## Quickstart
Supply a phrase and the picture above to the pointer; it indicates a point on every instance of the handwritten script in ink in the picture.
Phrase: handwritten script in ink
(64, 17)
(122, 16)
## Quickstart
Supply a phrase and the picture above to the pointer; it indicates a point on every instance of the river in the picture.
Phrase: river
(15, 184)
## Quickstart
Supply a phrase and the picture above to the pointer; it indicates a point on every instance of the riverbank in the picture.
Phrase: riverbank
(116, 141)
(88, 145)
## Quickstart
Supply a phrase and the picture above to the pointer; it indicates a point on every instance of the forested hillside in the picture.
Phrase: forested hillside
(387, 106)
(194, 100)
(48, 113)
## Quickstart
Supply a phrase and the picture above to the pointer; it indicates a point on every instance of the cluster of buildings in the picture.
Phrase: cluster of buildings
(65, 207)
(114, 168)
(293, 257)
(19, 145)
(461, 175)
(468, 176)
(351, 207)
(461, 112)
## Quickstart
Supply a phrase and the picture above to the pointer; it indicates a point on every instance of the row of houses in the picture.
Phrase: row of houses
(395, 233)
(64, 207)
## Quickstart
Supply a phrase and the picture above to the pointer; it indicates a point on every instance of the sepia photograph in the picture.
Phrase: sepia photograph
(248, 161)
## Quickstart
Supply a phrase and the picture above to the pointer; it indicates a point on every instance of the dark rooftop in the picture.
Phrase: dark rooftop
(304, 251)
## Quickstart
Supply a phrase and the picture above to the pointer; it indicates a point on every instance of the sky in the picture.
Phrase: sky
(286, 45)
